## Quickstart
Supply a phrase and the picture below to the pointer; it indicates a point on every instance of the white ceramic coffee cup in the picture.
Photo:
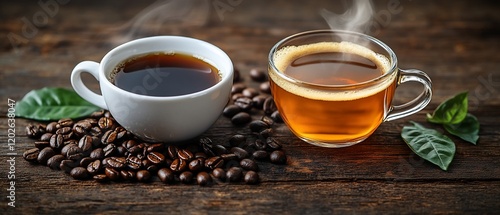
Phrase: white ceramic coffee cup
(165, 119)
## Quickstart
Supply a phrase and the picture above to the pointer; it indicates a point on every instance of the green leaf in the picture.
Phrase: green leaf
(53, 104)
(429, 144)
(451, 111)
(467, 130)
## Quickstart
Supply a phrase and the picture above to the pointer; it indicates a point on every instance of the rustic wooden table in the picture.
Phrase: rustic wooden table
(455, 42)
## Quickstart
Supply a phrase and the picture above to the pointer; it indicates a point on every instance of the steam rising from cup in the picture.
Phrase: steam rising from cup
(357, 18)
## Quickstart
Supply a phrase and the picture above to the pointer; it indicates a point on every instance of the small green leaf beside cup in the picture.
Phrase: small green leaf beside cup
(53, 104)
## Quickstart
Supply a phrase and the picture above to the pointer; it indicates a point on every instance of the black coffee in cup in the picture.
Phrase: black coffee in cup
(164, 74)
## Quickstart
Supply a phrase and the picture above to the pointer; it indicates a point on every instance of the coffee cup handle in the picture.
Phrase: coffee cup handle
(80, 88)
(417, 104)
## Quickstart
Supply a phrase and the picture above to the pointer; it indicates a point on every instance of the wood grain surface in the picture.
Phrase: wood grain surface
(455, 42)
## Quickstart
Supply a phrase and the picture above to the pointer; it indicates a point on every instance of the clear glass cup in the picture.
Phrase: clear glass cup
(339, 114)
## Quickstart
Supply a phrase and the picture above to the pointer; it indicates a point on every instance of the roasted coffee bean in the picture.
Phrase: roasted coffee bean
(231, 110)
(208, 150)
(234, 174)
(260, 145)
(244, 103)
(112, 174)
(236, 96)
(214, 162)
(258, 126)
(229, 156)
(249, 164)
(137, 149)
(71, 150)
(42, 144)
(258, 101)
(172, 152)
(105, 123)
(98, 114)
(109, 150)
(238, 88)
(101, 178)
(268, 120)
(79, 173)
(185, 154)
(95, 131)
(186, 177)
(166, 175)
(55, 162)
(219, 173)
(241, 118)
(120, 151)
(265, 87)
(121, 133)
(252, 177)
(68, 165)
(152, 168)
(64, 130)
(237, 140)
(52, 127)
(266, 133)
(108, 137)
(34, 131)
(219, 149)
(143, 175)
(134, 162)
(128, 175)
(31, 155)
(57, 141)
(241, 153)
(261, 155)
(117, 162)
(85, 144)
(86, 161)
(97, 153)
(278, 157)
(200, 155)
(81, 127)
(269, 106)
(250, 92)
(197, 164)
(156, 157)
(66, 122)
(178, 165)
(157, 147)
(128, 144)
(258, 75)
(45, 154)
(46, 137)
(273, 144)
(94, 167)
(203, 179)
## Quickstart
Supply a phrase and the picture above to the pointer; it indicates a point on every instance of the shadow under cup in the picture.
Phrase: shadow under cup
(334, 88)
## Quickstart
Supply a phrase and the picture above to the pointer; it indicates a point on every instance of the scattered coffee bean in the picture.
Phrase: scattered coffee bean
(214, 162)
(68, 165)
(238, 88)
(186, 177)
(101, 178)
(105, 123)
(258, 101)
(269, 106)
(278, 157)
(116, 162)
(57, 141)
(241, 153)
(112, 174)
(178, 165)
(44, 155)
(234, 174)
(173, 152)
(185, 154)
(66, 122)
(46, 137)
(273, 143)
(231, 110)
(244, 103)
(276, 116)
(97, 154)
(219, 173)
(31, 155)
(249, 164)
(250, 92)
(79, 173)
(203, 178)
(237, 140)
(128, 175)
(166, 175)
(55, 162)
(197, 164)
(143, 175)
(156, 157)
(52, 127)
(260, 155)
(258, 126)
(265, 87)
(252, 177)
(241, 118)
(258, 75)
(84, 162)
(94, 167)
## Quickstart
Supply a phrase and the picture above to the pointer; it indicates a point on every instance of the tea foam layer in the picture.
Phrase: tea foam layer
(285, 56)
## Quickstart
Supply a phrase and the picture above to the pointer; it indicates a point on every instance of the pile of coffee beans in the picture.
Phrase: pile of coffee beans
(99, 148)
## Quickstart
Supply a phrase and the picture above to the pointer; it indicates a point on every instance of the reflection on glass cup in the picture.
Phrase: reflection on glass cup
(334, 88)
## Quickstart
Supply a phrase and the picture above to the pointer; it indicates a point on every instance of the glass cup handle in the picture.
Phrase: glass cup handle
(80, 88)
(417, 104)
